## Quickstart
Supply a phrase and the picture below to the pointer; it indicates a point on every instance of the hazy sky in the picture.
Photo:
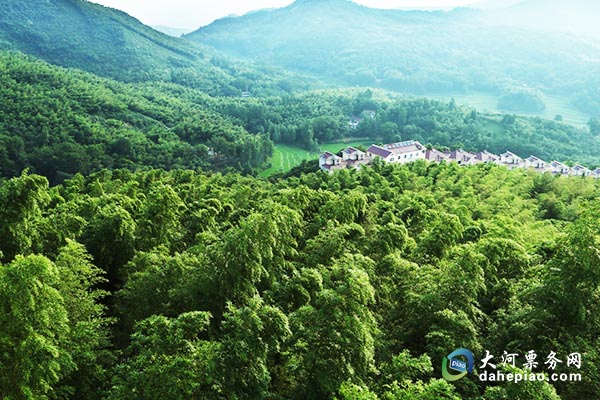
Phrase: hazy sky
(196, 13)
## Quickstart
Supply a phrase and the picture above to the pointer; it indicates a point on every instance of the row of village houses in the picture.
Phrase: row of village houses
(409, 151)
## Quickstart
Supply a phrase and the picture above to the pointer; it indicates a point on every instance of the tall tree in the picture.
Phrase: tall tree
(22, 200)
(334, 336)
(88, 341)
(169, 358)
(34, 329)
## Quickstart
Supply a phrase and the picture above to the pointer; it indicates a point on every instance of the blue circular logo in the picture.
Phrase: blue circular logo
(457, 364)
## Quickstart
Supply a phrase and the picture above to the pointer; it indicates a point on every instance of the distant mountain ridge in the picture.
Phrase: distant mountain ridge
(85, 35)
(418, 52)
(110, 43)
(171, 31)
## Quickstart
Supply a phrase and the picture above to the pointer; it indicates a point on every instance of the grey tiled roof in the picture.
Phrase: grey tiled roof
(379, 151)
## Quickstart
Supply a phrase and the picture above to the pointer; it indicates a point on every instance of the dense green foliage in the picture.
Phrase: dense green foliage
(352, 285)
(318, 117)
(59, 122)
(136, 262)
(110, 43)
(521, 100)
(415, 51)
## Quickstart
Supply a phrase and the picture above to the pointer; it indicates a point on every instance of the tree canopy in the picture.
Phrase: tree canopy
(354, 285)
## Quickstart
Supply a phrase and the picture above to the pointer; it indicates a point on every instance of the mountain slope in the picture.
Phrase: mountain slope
(85, 35)
(59, 122)
(110, 43)
(417, 52)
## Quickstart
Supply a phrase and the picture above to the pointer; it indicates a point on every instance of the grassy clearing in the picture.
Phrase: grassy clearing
(483, 102)
(287, 157)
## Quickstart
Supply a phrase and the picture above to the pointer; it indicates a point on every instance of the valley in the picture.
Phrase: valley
(237, 214)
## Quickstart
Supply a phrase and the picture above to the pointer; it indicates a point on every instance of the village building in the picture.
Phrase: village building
(353, 154)
(330, 162)
(404, 152)
(354, 157)
(434, 155)
(460, 156)
(354, 122)
(510, 160)
(375, 151)
(558, 168)
(482, 157)
(580, 170)
(412, 150)
(536, 163)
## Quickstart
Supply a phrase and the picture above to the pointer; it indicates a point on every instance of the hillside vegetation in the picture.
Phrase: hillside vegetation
(158, 239)
(186, 285)
(414, 51)
(315, 118)
(59, 122)
(110, 43)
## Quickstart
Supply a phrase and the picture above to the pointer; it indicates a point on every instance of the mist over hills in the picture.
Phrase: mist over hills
(578, 16)
(418, 52)
(88, 36)
(339, 42)
(110, 43)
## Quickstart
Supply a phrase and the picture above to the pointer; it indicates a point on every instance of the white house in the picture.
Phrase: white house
(330, 162)
(580, 170)
(484, 157)
(375, 151)
(596, 173)
(535, 163)
(353, 154)
(354, 157)
(434, 155)
(405, 152)
(511, 160)
(559, 168)
(354, 122)
(460, 156)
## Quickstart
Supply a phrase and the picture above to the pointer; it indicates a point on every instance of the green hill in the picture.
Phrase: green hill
(110, 43)
(313, 118)
(91, 37)
(412, 51)
(59, 122)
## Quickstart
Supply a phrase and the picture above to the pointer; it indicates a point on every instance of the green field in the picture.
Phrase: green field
(485, 102)
(287, 157)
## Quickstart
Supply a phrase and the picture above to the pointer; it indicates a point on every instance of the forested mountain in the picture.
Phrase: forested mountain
(110, 43)
(354, 286)
(59, 122)
(141, 258)
(313, 118)
(414, 51)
